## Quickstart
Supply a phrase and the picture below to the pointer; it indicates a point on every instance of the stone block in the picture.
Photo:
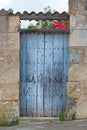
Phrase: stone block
(1, 58)
(9, 75)
(9, 108)
(77, 73)
(76, 5)
(85, 55)
(78, 38)
(71, 105)
(83, 89)
(3, 24)
(1, 91)
(10, 92)
(73, 90)
(81, 108)
(82, 101)
(78, 21)
(9, 40)
(75, 56)
(11, 57)
(3, 12)
(14, 23)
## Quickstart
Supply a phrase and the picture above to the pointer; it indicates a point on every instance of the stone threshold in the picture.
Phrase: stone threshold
(38, 119)
(47, 120)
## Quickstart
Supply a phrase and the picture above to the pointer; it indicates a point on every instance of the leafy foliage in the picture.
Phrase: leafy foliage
(4, 121)
(31, 26)
(62, 116)
(74, 116)
(47, 24)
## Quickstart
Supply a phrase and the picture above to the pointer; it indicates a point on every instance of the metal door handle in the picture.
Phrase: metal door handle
(58, 79)
(28, 79)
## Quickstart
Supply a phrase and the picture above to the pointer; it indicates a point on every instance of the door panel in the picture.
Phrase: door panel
(57, 73)
(65, 68)
(23, 66)
(48, 76)
(40, 74)
(31, 74)
(43, 73)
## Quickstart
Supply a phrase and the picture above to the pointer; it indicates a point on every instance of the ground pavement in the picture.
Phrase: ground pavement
(68, 125)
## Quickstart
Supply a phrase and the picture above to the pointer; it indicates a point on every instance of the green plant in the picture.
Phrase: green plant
(4, 121)
(48, 9)
(62, 116)
(6, 118)
(73, 116)
(49, 24)
(31, 26)
(46, 24)
(67, 23)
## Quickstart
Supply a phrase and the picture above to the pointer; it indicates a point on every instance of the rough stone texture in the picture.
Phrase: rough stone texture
(76, 6)
(79, 21)
(11, 57)
(1, 58)
(77, 72)
(9, 64)
(75, 56)
(9, 108)
(13, 26)
(77, 36)
(10, 76)
(73, 90)
(9, 92)
(82, 101)
(82, 109)
(9, 40)
(3, 23)
(1, 91)
(73, 94)
(77, 78)
(85, 55)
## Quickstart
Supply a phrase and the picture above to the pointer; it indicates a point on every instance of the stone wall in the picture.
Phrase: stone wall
(9, 63)
(77, 79)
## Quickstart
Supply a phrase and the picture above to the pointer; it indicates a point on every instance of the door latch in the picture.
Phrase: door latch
(29, 78)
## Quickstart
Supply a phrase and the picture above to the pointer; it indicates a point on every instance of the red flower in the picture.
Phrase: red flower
(59, 25)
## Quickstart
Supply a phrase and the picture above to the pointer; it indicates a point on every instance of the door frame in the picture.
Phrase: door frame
(45, 31)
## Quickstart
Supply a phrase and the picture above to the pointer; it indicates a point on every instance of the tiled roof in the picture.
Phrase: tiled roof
(37, 16)
(42, 16)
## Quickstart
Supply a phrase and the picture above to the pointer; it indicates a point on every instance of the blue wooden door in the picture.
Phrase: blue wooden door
(43, 73)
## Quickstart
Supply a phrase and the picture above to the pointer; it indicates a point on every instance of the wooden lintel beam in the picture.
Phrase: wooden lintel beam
(44, 17)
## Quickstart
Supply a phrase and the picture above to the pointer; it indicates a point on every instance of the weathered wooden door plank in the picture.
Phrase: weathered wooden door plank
(31, 75)
(23, 98)
(66, 57)
(57, 74)
(48, 76)
(40, 73)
